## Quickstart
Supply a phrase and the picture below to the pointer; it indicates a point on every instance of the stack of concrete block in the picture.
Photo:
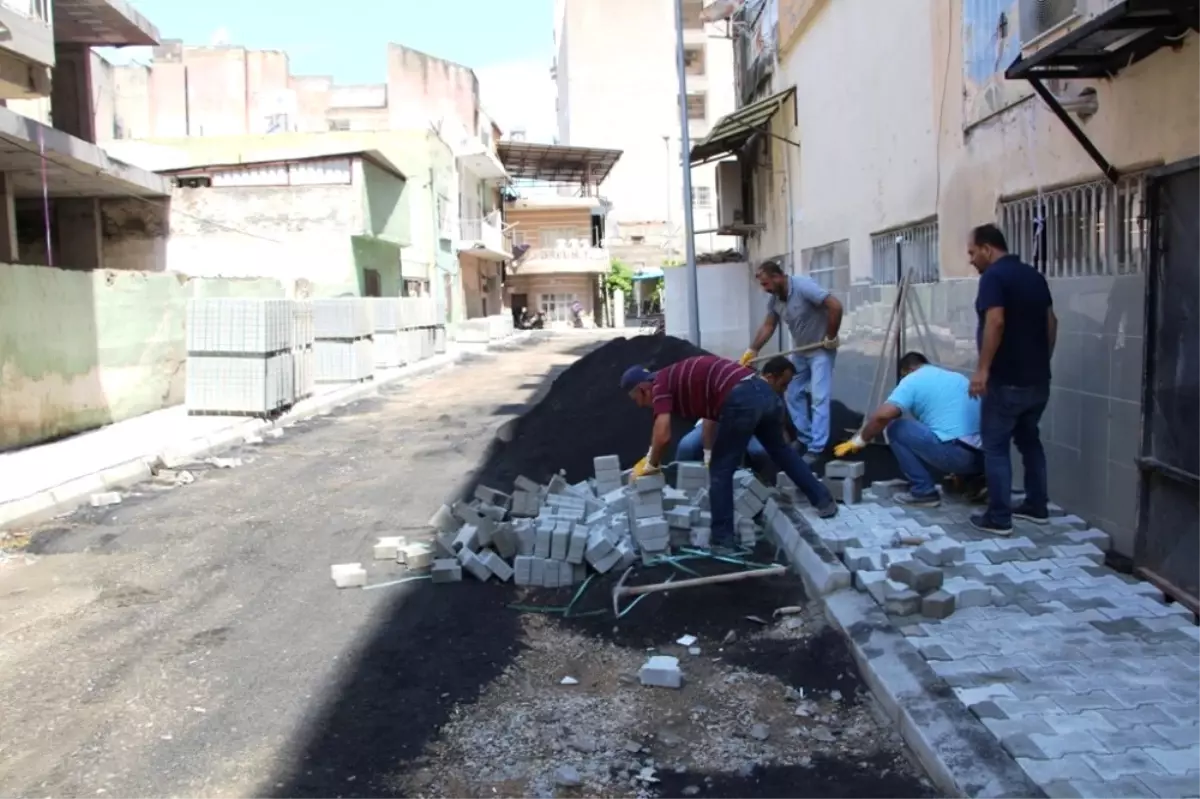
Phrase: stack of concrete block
(240, 356)
(553, 535)
(691, 477)
(303, 359)
(343, 346)
(389, 349)
(608, 473)
(844, 479)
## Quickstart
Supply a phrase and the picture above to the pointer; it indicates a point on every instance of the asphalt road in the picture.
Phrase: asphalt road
(190, 642)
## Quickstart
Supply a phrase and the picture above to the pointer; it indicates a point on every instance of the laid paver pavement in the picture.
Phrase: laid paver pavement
(1088, 677)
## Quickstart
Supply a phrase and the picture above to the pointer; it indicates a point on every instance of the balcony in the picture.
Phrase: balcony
(26, 48)
(563, 259)
(483, 238)
(477, 158)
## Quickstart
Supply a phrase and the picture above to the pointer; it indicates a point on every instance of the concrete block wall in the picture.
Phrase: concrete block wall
(483, 329)
(241, 356)
(82, 349)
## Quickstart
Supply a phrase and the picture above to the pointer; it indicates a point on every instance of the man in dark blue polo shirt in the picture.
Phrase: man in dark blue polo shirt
(1016, 335)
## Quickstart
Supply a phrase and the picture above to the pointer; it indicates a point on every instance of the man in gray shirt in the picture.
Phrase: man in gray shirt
(812, 315)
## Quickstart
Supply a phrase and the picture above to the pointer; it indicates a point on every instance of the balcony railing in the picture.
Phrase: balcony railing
(486, 233)
(563, 260)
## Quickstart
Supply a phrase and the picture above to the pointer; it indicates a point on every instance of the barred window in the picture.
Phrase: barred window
(1095, 228)
(913, 248)
(828, 265)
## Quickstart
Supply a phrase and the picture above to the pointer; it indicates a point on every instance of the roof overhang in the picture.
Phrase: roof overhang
(1111, 41)
(102, 23)
(200, 156)
(734, 130)
(480, 250)
(31, 153)
(551, 163)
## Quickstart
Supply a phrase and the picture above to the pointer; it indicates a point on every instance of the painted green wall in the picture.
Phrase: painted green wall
(82, 349)
(387, 207)
(382, 256)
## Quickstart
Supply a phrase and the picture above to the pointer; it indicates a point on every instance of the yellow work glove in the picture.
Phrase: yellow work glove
(855, 444)
(830, 343)
(644, 467)
(747, 357)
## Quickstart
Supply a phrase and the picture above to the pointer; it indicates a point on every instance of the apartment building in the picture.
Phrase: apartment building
(1075, 126)
(616, 76)
(426, 116)
(556, 218)
(67, 202)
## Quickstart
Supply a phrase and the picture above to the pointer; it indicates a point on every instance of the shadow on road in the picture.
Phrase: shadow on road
(430, 649)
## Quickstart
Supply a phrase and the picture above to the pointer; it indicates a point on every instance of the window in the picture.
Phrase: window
(702, 197)
(697, 105)
(693, 60)
(339, 124)
(443, 217)
(1089, 229)
(918, 253)
(557, 307)
(828, 265)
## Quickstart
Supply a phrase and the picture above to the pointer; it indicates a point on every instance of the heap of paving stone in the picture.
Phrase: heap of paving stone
(911, 568)
(554, 535)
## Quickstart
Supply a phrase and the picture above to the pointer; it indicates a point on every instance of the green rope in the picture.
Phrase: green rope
(578, 594)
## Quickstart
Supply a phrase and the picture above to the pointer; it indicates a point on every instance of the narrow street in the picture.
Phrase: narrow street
(190, 642)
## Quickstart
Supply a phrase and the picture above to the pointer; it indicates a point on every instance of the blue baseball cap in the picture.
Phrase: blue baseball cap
(635, 376)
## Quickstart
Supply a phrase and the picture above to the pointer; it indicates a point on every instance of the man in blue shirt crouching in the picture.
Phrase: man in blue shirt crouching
(939, 434)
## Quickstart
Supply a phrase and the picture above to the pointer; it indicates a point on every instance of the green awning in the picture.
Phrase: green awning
(732, 131)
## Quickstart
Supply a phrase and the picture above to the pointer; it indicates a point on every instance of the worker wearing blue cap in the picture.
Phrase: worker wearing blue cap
(743, 405)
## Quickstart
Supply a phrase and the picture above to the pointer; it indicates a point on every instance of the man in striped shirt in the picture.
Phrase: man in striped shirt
(742, 405)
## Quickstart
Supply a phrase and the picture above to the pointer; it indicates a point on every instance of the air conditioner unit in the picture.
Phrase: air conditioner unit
(729, 194)
(1042, 21)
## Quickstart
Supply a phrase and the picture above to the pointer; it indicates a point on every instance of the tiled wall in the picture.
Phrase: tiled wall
(1091, 428)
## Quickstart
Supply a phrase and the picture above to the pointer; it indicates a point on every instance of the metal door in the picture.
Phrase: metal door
(1167, 550)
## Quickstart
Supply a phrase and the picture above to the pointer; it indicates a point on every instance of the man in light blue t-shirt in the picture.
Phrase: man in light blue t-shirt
(941, 433)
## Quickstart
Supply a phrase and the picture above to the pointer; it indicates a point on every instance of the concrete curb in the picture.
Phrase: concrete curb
(66, 497)
(960, 754)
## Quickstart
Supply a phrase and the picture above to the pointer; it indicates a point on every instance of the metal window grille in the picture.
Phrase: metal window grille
(828, 265)
(702, 196)
(917, 247)
(557, 307)
(1095, 228)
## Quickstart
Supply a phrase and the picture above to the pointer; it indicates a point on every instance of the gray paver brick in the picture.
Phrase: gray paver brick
(1171, 787)
(1181, 736)
(1131, 762)
(1140, 737)
(1070, 768)
(1077, 742)
(1088, 721)
(1176, 761)
(1093, 700)
(1125, 788)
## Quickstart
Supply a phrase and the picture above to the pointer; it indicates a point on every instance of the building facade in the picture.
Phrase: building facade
(946, 131)
(616, 76)
(556, 217)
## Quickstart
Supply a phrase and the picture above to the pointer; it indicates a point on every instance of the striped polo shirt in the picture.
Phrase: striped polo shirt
(696, 388)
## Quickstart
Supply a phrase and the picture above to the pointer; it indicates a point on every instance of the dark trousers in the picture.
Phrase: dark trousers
(752, 410)
(1010, 415)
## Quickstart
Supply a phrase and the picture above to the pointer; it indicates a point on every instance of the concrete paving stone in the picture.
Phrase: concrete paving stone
(497, 566)
(1181, 735)
(1005, 555)
(938, 605)
(1130, 763)
(1070, 768)
(1186, 786)
(1098, 538)
(1125, 788)
(1135, 697)
(917, 575)
(446, 570)
(1070, 743)
(1182, 714)
(973, 696)
(1018, 708)
(1177, 762)
(1140, 737)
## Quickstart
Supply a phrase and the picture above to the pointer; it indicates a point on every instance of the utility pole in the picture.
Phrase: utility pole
(689, 241)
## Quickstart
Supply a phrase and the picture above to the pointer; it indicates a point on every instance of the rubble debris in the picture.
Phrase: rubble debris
(388, 548)
(224, 463)
(568, 681)
(567, 777)
(106, 498)
(686, 640)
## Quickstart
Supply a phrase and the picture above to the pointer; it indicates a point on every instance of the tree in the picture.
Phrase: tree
(620, 276)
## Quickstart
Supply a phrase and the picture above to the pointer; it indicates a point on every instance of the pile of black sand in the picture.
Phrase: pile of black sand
(586, 414)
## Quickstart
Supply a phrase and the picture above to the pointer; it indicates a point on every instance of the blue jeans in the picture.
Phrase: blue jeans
(814, 375)
(1010, 415)
(918, 450)
(691, 448)
(752, 410)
